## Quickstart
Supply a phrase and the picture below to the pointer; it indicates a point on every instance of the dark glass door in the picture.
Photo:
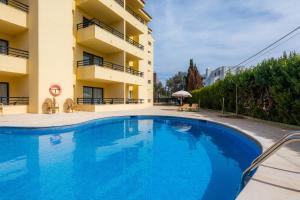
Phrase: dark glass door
(98, 93)
(3, 47)
(93, 95)
(90, 59)
(4, 93)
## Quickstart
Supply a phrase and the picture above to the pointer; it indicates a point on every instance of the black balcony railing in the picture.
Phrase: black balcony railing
(16, 4)
(135, 101)
(134, 43)
(100, 101)
(134, 72)
(120, 2)
(110, 66)
(14, 100)
(101, 25)
(137, 16)
(13, 52)
(101, 64)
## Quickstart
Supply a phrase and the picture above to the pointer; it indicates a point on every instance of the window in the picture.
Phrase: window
(3, 47)
(149, 43)
(92, 92)
(149, 62)
(90, 59)
(149, 81)
(4, 92)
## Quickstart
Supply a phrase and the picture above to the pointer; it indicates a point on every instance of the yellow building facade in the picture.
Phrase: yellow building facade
(100, 53)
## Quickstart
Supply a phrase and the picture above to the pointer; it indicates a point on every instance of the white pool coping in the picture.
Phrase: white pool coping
(277, 179)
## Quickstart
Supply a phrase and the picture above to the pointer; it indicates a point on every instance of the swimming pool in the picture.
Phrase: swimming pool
(137, 157)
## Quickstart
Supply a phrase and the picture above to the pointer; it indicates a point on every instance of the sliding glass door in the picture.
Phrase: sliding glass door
(3, 47)
(91, 59)
(4, 93)
(93, 95)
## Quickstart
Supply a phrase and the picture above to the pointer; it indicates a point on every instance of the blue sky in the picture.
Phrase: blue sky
(218, 32)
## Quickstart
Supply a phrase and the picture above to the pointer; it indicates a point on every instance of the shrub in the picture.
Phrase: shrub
(270, 91)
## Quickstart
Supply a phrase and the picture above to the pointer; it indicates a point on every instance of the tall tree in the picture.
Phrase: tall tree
(194, 79)
(177, 82)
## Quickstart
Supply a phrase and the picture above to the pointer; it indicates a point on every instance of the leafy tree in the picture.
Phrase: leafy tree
(177, 82)
(194, 80)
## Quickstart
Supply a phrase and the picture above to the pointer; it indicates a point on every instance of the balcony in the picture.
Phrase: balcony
(99, 36)
(13, 61)
(14, 101)
(135, 101)
(106, 71)
(14, 105)
(105, 64)
(103, 101)
(135, 15)
(110, 65)
(98, 23)
(135, 19)
(111, 11)
(108, 104)
(134, 72)
(13, 17)
(100, 101)
(120, 2)
(136, 4)
(134, 43)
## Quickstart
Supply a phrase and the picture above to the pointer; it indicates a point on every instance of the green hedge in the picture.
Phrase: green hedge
(270, 91)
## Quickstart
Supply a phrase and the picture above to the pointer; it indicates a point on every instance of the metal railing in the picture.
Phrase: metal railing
(166, 101)
(109, 65)
(16, 4)
(137, 16)
(134, 43)
(101, 25)
(100, 101)
(120, 2)
(13, 52)
(101, 64)
(135, 101)
(134, 72)
(288, 138)
(14, 100)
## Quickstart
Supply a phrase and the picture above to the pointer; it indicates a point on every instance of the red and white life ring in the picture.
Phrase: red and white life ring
(55, 90)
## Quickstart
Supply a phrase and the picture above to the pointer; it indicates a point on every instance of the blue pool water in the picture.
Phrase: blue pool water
(131, 158)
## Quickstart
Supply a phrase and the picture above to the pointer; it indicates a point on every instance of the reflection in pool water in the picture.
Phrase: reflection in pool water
(125, 158)
(55, 139)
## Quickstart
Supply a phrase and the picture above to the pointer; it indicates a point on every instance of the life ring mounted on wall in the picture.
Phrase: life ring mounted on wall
(55, 90)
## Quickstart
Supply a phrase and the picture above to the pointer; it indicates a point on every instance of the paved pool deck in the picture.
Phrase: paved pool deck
(277, 179)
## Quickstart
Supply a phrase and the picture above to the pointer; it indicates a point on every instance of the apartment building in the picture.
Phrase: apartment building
(99, 53)
(212, 76)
